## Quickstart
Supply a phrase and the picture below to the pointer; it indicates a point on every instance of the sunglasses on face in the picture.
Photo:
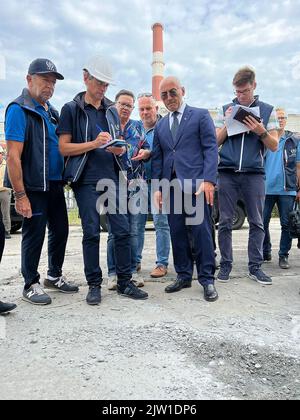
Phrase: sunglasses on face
(172, 92)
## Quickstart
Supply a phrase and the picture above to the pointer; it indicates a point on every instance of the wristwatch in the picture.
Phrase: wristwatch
(263, 135)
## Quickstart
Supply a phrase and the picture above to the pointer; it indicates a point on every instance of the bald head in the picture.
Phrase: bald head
(170, 79)
(172, 93)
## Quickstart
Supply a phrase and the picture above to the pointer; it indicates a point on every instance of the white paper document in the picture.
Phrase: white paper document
(235, 127)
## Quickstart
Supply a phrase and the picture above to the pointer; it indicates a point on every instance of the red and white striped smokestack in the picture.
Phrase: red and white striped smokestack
(158, 64)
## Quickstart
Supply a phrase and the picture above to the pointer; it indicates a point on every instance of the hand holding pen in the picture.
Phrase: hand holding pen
(102, 138)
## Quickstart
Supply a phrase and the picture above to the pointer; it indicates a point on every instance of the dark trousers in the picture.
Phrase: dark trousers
(250, 188)
(191, 243)
(49, 210)
(86, 197)
(285, 205)
(2, 237)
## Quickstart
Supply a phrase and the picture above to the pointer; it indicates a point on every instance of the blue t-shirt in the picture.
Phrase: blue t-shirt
(275, 170)
(15, 128)
(100, 163)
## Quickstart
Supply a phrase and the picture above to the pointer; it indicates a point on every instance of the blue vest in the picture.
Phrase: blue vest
(245, 152)
(35, 156)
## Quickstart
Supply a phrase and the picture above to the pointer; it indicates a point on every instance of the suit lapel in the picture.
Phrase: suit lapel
(184, 120)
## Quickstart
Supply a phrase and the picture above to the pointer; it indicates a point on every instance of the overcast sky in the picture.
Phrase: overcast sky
(205, 43)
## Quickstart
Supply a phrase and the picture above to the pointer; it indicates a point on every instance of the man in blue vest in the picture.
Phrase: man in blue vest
(282, 183)
(35, 169)
(241, 173)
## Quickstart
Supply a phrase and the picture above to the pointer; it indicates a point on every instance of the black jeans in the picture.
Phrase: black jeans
(49, 209)
(86, 197)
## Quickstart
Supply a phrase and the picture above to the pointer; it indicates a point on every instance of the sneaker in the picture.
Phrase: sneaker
(259, 276)
(6, 307)
(7, 235)
(159, 271)
(138, 280)
(94, 295)
(61, 285)
(224, 273)
(36, 295)
(132, 291)
(267, 257)
(138, 267)
(284, 263)
(112, 283)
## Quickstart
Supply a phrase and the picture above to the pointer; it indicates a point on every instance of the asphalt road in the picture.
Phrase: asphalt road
(244, 346)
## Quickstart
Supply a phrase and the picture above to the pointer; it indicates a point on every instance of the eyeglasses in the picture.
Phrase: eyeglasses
(172, 92)
(127, 106)
(145, 95)
(281, 118)
(242, 92)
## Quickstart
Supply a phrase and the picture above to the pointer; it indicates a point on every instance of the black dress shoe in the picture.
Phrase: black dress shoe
(6, 307)
(210, 293)
(178, 285)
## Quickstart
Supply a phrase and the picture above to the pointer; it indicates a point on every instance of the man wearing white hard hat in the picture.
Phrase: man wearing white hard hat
(87, 123)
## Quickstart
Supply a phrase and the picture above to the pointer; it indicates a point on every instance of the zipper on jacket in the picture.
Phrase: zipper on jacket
(262, 158)
(284, 160)
(113, 134)
(86, 136)
(44, 134)
(242, 152)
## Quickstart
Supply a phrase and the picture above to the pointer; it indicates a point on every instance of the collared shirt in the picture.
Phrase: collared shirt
(179, 116)
(15, 128)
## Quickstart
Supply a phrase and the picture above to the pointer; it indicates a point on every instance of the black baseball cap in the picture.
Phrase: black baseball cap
(44, 66)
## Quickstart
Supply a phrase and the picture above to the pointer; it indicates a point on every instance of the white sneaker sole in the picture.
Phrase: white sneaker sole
(259, 281)
(36, 303)
(223, 281)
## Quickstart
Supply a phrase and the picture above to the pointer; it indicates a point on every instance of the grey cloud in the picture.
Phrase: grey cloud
(205, 43)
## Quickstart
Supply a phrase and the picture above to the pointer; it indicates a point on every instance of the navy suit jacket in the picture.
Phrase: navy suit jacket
(193, 155)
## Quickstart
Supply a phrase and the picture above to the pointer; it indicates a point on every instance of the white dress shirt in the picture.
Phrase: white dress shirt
(179, 116)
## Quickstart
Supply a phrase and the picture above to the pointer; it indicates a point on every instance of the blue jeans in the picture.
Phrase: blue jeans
(251, 188)
(111, 256)
(162, 230)
(86, 197)
(285, 205)
(163, 238)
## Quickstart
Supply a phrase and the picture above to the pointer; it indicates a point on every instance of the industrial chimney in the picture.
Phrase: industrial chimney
(158, 64)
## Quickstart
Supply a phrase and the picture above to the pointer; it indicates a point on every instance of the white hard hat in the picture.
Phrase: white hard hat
(100, 68)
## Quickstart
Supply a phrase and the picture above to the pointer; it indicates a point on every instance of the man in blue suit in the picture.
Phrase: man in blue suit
(185, 152)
